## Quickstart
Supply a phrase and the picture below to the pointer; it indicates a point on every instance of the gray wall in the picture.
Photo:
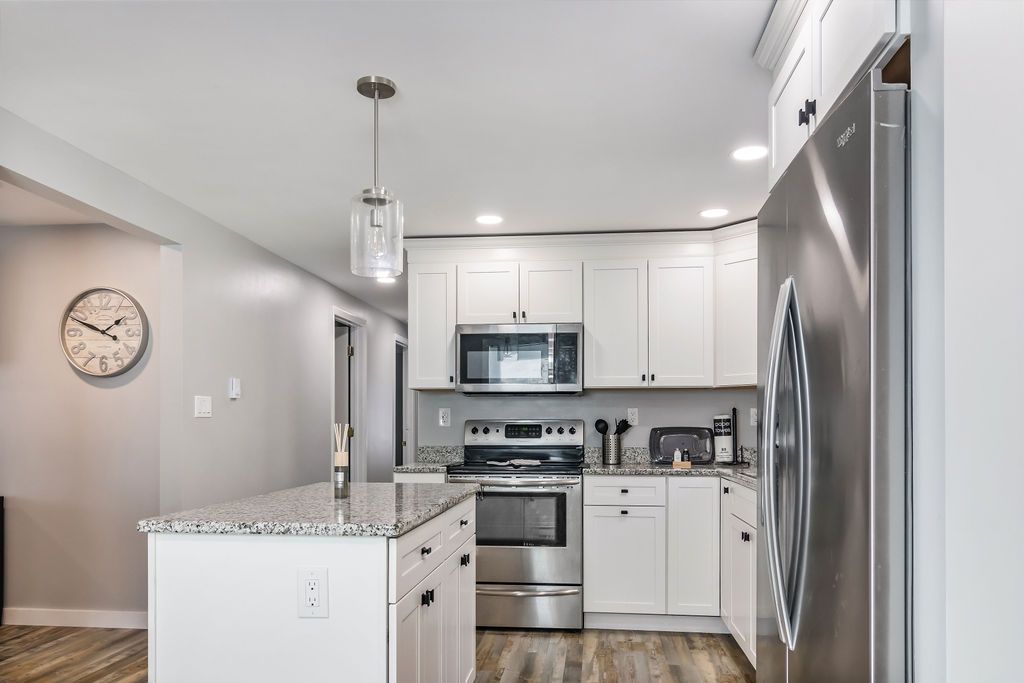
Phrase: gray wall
(658, 408)
(79, 457)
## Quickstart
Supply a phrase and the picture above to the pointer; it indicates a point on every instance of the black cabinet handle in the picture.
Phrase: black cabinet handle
(623, 490)
(652, 376)
(451, 378)
(425, 598)
(745, 537)
(810, 109)
(513, 315)
(523, 316)
(425, 551)
(623, 512)
(725, 489)
(463, 522)
(643, 377)
(464, 560)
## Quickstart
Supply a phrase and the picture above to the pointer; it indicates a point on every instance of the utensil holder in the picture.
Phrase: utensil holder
(341, 482)
(611, 449)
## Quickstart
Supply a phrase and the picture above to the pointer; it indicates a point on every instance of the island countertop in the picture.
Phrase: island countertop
(387, 510)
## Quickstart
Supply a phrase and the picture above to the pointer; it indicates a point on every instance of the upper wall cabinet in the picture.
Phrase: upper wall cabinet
(615, 323)
(488, 293)
(431, 325)
(789, 98)
(736, 317)
(681, 334)
(551, 291)
(846, 33)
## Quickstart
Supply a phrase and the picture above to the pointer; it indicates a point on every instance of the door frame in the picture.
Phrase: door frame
(357, 389)
(408, 407)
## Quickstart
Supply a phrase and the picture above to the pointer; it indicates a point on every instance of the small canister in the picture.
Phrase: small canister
(611, 449)
(341, 478)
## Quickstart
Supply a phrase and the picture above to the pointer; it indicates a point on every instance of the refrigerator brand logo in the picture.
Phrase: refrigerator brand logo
(847, 134)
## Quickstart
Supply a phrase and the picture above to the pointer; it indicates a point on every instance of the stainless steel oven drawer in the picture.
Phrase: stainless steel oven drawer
(529, 606)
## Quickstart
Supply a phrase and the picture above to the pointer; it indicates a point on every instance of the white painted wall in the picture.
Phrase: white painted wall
(658, 408)
(967, 103)
(79, 455)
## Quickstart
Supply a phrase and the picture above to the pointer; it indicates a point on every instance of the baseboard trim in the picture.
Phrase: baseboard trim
(28, 616)
(654, 622)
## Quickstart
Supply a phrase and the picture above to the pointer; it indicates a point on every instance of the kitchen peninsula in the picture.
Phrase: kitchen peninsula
(293, 585)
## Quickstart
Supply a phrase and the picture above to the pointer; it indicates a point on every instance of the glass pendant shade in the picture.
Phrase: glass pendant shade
(377, 227)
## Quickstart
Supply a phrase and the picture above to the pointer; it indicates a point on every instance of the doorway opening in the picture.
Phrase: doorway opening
(401, 422)
(343, 353)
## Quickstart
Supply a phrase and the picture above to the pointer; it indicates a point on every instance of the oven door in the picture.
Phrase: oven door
(519, 358)
(530, 531)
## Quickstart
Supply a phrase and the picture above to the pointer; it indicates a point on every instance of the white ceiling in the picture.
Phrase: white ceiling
(20, 208)
(559, 116)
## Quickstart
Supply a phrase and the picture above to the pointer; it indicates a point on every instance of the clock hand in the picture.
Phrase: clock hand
(114, 324)
(93, 327)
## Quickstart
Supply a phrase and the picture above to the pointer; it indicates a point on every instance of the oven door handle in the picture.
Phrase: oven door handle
(527, 594)
(516, 483)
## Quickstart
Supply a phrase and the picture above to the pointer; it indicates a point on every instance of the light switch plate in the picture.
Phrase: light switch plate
(312, 591)
(753, 417)
(203, 406)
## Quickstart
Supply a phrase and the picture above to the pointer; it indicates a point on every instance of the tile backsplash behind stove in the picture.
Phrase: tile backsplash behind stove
(658, 408)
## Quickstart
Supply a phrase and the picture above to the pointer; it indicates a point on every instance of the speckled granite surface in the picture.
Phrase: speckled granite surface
(439, 454)
(650, 469)
(744, 477)
(387, 510)
(423, 468)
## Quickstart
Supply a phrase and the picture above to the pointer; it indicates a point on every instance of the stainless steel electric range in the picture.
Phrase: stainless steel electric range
(529, 521)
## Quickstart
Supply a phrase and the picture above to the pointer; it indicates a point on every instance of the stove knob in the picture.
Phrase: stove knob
(572, 430)
(474, 430)
(548, 430)
(561, 430)
(487, 430)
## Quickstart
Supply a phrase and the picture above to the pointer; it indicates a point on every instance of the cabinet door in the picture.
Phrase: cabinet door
(467, 613)
(693, 545)
(615, 323)
(791, 88)
(431, 325)
(431, 641)
(725, 561)
(624, 559)
(743, 545)
(404, 639)
(488, 293)
(682, 322)
(551, 292)
(451, 611)
(736, 318)
(846, 33)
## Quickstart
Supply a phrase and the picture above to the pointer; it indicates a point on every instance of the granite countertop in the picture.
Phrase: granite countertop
(744, 475)
(386, 510)
(423, 468)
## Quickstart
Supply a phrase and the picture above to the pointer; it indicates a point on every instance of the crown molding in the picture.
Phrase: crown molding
(781, 24)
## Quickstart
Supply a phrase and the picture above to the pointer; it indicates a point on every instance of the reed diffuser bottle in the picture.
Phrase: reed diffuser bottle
(341, 475)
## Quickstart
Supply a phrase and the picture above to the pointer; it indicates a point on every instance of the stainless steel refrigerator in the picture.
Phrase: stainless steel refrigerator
(832, 386)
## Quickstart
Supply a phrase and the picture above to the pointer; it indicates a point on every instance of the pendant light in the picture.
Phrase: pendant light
(376, 212)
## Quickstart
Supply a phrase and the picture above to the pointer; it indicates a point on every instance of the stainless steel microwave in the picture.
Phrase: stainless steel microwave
(519, 359)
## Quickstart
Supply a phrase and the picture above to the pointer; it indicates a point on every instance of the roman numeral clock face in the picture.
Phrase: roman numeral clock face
(104, 332)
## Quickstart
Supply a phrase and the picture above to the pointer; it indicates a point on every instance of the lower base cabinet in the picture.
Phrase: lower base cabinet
(432, 635)
(739, 565)
(624, 559)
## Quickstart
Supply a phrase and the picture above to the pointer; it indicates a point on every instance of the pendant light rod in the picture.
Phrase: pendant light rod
(379, 88)
(376, 147)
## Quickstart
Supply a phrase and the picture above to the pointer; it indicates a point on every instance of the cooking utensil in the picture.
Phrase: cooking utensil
(601, 426)
(621, 427)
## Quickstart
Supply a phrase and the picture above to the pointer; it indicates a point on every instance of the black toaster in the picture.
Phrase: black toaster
(697, 440)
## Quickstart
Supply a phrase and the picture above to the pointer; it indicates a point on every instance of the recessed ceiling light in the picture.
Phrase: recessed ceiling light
(385, 280)
(714, 213)
(489, 219)
(751, 153)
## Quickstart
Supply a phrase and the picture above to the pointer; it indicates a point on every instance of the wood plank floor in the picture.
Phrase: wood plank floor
(37, 654)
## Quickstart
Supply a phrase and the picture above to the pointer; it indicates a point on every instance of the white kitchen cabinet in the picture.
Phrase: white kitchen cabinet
(417, 632)
(459, 615)
(736, 318)
(488, 293)
(624, 559)
(551, 291)
(792, 88)
(420, 477)
(846, 33)
(742, 541)
(615, 323)
(431, 325)
(693, 546)
(681, 333)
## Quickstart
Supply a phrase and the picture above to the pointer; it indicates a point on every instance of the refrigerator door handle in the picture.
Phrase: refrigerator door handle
(769, 494)
(802, 392)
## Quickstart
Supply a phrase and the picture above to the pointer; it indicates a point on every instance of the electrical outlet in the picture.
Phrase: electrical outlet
(444, 417)
(633, 416)
(203, 406)
(753, 417)
(312, 592)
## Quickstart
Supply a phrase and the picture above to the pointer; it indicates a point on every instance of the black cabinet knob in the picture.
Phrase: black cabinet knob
(513, 315)
(425, 551)
(623, 512)
(463, 522)
(623, 490)
(451, 378)
(725, 489)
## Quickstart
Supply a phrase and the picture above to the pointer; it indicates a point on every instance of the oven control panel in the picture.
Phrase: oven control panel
(523, 432)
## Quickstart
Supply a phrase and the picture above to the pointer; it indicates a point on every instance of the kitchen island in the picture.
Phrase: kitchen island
(293, 585)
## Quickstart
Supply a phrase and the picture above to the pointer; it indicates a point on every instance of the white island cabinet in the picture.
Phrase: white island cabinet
(293, 586)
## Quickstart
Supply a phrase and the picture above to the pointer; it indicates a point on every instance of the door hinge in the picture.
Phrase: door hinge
(351, 351)
(351, 432)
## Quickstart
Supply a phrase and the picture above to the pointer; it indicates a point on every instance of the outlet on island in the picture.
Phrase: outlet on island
(312, 592)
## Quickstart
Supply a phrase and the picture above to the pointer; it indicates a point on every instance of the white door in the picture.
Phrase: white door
(624, 559)
(786, 97)
(615, 323)
(693, 545)
(488, 293)
(736, 318)
(743, 546)
(551, 292)
(431, 325)
(846, 33)
(682, 322)
(432, 628)
(404, 640)
(467, 613)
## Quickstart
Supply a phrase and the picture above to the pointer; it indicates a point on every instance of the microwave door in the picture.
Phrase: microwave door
(506, 358)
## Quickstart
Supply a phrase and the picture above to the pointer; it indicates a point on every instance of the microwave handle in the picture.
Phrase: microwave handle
(551, 355)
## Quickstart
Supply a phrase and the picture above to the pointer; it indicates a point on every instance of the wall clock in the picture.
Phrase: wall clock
(104, 332)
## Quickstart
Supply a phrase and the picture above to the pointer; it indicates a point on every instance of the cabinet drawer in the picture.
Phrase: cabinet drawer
(460, 525)
(603, 490)
(740, 501)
